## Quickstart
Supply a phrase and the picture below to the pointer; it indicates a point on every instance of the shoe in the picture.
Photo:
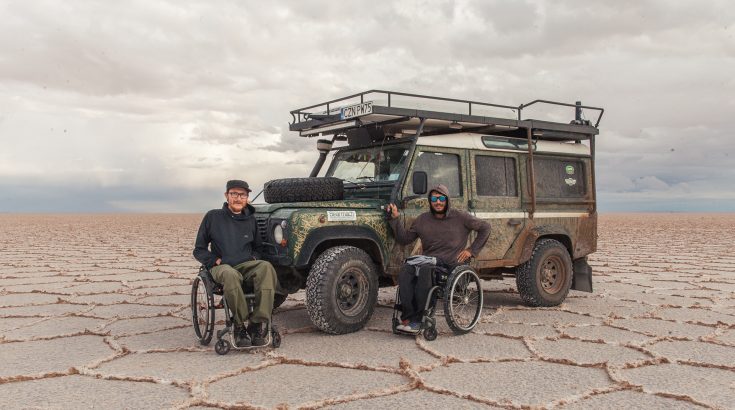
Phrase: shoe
(242, 339)
(403, 326)
(413, 327)
(257, 333)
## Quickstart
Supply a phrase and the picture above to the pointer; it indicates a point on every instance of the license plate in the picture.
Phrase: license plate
(356, 110)
(341, 216)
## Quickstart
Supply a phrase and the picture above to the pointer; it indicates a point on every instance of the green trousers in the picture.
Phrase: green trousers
(265, 282)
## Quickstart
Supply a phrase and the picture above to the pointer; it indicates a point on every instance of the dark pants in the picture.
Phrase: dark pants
(413, 291)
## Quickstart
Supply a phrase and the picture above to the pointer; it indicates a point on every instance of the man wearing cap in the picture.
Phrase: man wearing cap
(232, 258)
(443, 232)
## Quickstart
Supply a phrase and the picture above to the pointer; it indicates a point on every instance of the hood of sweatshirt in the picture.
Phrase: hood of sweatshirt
(442, 189)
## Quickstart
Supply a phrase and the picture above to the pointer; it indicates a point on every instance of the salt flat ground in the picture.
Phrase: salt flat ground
(94, 312)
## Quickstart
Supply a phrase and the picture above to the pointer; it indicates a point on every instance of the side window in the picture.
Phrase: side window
(441, 169)
(559, 178)
(496, 176)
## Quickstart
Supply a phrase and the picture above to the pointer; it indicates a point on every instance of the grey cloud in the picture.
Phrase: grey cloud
(185, 94)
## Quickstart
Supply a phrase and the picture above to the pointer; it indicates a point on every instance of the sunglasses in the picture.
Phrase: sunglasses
(439, 198)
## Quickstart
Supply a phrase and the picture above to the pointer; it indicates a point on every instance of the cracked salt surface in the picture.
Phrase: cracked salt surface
(99, 317)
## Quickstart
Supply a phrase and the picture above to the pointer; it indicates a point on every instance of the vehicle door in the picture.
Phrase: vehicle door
(495, 198)
(442, 166)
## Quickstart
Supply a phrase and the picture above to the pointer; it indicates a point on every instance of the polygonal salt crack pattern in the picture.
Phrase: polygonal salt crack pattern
(98, 306)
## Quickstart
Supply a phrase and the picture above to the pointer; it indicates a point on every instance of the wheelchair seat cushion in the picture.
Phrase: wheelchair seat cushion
(421, 260)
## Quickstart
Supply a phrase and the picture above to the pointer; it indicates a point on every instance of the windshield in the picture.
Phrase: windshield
(370, 164)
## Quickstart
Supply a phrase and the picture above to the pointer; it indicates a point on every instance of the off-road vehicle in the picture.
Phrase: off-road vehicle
(532, 180)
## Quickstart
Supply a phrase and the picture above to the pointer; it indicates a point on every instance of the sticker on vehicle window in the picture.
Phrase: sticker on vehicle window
(339, 216)
(570, 170)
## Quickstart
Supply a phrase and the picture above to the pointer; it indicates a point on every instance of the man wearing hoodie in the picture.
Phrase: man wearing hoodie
(232, 232)
(443, 232)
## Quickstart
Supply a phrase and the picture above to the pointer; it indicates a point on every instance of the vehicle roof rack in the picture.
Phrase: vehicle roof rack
(378, 108)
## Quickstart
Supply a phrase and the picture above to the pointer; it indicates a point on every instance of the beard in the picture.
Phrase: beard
(442, 212)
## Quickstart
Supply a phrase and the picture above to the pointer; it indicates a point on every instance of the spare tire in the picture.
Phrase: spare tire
(303, 190)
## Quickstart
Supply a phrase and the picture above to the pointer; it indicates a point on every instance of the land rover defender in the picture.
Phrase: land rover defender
(532, 180)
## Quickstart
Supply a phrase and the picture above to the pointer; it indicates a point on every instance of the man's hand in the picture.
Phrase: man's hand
(464, 256)
(392, 209)
(217, 262)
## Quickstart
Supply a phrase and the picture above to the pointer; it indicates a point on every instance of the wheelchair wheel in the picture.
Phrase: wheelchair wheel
(222, 347)
(202, 310)
(275, 339)
(430, 334)
(462, 300)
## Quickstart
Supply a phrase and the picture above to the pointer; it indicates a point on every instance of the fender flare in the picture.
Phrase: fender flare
(545, 231)
(342, 235)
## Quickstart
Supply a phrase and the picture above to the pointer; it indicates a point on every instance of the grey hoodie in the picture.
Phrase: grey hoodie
(445, 237)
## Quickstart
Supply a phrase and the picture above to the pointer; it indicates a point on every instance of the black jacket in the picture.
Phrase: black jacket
(234, 237)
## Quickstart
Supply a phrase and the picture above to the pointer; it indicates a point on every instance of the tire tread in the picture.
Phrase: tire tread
(526, 277)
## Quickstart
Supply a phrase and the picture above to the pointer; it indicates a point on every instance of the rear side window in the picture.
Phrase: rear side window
(496, 176)
(441, 169)
(559, 178)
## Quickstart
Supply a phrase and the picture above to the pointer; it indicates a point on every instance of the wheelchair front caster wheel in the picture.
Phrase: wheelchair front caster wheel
(222, 347)
(430, 334)
(275, 339)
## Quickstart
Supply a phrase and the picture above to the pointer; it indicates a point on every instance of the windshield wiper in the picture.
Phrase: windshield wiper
(371, 184)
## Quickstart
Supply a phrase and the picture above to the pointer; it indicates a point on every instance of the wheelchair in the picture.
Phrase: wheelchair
(461, 291)
(203, 307)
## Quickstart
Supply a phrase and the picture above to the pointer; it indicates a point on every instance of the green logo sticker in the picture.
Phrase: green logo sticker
(570, 170)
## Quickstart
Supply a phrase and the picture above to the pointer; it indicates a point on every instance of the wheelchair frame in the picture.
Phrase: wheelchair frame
(448, 291)
(203, 289)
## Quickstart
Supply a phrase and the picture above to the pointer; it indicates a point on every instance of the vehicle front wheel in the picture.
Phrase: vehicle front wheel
(545, 279)
(341, 290)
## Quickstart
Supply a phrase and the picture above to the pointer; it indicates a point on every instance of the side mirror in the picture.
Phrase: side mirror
(419, 181)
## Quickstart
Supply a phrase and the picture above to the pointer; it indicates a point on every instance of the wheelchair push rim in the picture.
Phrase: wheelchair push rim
(202, 311)
(463, 300)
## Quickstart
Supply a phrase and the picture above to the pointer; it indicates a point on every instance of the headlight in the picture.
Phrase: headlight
(278, 233)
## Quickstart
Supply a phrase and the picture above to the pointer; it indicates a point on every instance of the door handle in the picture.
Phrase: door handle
(514, 222)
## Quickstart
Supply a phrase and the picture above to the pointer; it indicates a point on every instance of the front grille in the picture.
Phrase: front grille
(262, 228)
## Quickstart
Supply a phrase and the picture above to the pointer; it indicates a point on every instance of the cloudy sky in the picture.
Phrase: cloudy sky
(149, 106)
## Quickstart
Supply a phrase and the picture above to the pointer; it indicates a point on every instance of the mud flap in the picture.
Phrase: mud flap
(582, 279)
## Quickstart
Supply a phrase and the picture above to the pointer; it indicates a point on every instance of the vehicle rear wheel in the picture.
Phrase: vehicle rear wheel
(545, 279)
(303, 190)
(463, 300)
(202, 310)
(341, 290)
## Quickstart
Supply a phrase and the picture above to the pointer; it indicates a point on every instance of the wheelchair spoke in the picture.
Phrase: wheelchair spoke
(202, 303)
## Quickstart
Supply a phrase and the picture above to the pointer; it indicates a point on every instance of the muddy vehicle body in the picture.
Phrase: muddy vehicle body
(532, 180)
